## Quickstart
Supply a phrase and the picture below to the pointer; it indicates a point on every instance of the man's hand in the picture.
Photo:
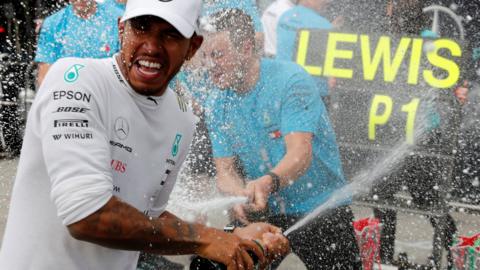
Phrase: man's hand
(274, 243)
(232, 251)
(256, 231)
(260, 189)
(239, 213)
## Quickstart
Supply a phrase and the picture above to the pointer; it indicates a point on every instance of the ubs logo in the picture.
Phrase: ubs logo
(121, 128)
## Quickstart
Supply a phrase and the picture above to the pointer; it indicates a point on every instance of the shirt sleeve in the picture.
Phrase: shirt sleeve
(74, 141)
(48, 46)
(302, 105)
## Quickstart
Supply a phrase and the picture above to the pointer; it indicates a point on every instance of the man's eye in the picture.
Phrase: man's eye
(173, 35)
(139, 25)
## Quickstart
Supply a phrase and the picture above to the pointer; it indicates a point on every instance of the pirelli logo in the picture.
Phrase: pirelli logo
(182, 103)
(70, 123)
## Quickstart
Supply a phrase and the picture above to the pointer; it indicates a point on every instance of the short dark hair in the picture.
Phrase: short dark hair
(237, 23)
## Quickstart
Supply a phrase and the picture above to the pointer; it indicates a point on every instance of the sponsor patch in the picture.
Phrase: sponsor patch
(72, 95)
(71, 109)
(72, 74)
(72, 136)
(80, 123)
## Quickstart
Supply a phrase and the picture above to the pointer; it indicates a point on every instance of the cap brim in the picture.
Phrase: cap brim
(176, 21)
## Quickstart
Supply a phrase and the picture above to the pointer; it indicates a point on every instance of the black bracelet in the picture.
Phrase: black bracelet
(275, 181)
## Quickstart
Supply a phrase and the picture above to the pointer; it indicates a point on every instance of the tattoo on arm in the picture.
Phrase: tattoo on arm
(119, 225)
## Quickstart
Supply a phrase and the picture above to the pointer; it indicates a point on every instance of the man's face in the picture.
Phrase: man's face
(152, 52)
(226, 62)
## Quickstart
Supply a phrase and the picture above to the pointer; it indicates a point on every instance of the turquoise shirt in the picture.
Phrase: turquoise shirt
(64, 34)
(294, 19)
(114, 4)
(247, 6)
(253, 127)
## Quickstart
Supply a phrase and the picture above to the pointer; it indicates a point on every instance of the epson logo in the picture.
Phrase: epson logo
(71, 109)
(119, 145)
(70, 123)
(71, 95)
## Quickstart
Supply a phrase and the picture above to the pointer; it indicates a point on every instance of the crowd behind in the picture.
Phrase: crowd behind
(239, 131)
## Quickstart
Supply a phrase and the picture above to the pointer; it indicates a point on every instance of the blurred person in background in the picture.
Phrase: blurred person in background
(193, 84)
(421, 177)
(83, 29)
(307, 14)
(273, 142)
(466, 183)
(270, 19)
(248, 6)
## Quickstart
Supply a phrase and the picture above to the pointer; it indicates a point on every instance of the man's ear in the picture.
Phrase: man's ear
(121, 30)
(195, 43)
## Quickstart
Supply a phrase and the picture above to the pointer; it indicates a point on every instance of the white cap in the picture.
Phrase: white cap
(182, 14)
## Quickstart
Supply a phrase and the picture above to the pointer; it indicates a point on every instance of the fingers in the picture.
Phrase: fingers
(253, 247)
(246, 261)
(241, 260)
(274, 229)
(233, 264)
(277, 245)
(259, 202)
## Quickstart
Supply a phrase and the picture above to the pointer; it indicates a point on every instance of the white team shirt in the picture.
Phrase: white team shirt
(270, 19)
(89, 137)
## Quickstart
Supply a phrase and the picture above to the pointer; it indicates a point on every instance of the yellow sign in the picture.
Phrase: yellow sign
(380, 119)
(379, 56)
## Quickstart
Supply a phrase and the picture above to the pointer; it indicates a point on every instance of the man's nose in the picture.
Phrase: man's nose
(152, 45)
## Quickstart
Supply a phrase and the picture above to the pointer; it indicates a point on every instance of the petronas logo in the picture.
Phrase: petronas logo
(71, 75)
(176, 145)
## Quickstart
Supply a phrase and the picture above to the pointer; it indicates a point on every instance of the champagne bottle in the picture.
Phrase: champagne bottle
(199, 263)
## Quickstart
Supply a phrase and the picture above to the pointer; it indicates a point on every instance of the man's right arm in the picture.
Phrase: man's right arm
(120, 226)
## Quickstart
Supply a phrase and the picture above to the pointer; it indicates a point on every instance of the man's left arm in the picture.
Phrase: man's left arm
(294, 164)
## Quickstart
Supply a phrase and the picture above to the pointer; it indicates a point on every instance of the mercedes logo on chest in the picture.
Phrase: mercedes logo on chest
(121, 128)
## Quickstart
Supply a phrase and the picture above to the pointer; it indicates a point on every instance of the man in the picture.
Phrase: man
(306, 14)
(82, 29)
(270, 19)
(104, 142)
(270, 119)
(247, 6)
